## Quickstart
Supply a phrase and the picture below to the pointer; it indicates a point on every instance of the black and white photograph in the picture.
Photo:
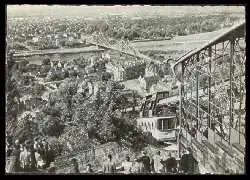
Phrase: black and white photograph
(125, 89)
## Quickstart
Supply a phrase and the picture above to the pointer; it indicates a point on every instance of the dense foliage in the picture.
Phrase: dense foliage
(135, 72)
(12, 99)
(71, 114)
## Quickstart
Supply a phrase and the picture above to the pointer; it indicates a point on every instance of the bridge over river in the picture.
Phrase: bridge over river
(179, 44)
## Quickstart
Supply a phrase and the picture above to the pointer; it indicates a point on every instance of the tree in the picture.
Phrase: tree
(38, 89)
(26, 128)
(99, 66)
(13, 95)
(135, 71)
(52, 126)
(46, 61)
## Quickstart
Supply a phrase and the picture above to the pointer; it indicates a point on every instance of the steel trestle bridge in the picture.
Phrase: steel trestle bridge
(218, 115)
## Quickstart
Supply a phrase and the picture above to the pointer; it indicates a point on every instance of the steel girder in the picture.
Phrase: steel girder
(213, 88)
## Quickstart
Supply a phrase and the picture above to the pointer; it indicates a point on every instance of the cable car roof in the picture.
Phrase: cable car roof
(155, 118)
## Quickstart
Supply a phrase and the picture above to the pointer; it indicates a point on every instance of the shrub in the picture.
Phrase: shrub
(52, 126)
(46, 61)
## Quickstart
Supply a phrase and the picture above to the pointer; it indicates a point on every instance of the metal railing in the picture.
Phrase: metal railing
(223, 46)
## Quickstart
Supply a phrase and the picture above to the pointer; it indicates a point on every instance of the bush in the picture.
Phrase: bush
(26, 128)
(46, 61)
(135, 72)
(55, 146)
(52, 127)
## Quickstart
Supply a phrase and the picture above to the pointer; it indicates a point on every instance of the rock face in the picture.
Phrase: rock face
(216, 158)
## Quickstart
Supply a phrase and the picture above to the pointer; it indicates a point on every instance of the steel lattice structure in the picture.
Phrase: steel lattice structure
(213, 88)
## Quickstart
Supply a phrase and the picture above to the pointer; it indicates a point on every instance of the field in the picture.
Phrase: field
(178, 43)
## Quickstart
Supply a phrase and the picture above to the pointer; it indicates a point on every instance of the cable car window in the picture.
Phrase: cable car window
(162, 95)
(166, 124)
(149, 127)
(148, 97)
(151, 104)
(152, 125)
(159, 110)
(147, 105)
(171, 123)
(143, 106)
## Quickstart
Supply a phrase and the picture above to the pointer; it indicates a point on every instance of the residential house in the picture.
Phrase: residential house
(136, 85)
(85, 87)
(105, 56)
(70, 38)
(150, 70)
(96, 86)
(35, 39)
(117, 71)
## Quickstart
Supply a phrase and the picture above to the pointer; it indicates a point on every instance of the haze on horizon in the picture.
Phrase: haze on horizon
(129, 10)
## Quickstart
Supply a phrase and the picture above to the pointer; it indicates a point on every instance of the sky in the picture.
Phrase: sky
(85, 10)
